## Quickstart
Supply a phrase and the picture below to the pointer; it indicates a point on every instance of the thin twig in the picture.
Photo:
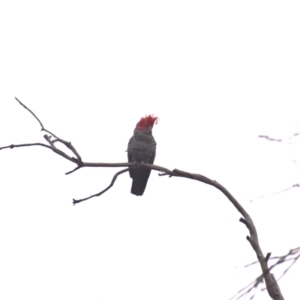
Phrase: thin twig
(41, 124)
(24, 145)
(269, 195)
(70, 172)
(106, 189)
(279, 260)
(269, 138)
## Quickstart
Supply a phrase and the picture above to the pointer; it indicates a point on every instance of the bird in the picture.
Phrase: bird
(142, 149)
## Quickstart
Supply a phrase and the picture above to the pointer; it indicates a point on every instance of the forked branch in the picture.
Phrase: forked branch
(289, 259)
(272, 287)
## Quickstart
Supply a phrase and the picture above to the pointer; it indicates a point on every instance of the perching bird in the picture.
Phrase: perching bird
(141, 148)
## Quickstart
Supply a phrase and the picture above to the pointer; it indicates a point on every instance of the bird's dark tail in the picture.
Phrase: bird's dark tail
(139, 180)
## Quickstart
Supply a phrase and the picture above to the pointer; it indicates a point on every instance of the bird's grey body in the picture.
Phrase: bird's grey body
(141, 148)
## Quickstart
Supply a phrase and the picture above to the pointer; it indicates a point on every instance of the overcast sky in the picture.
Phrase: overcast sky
(217, 74)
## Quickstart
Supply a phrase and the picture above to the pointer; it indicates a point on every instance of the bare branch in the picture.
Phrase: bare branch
(269, 195)
(24, 145)
(293, 255)
(271, 284)
(75, 169)
(287, 139)
(269, 138)
(268, 256)
(247, 289)
(106, 189)
(296, 164)
(293, 262)
(41, 124)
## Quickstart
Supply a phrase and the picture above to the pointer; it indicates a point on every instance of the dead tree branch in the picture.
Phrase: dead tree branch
(271, 284)
(292, 256)
(269, 138)
(106, 189)
(288, 140)
(279, 192)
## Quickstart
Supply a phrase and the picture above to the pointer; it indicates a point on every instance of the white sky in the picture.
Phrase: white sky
(217, 74)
